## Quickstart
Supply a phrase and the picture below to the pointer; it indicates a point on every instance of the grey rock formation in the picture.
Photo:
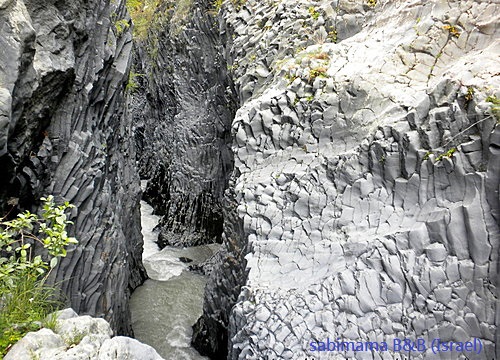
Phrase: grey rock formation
(79, 337)
(182, 118)
(366, 177)
(227, 270)
(64, 131)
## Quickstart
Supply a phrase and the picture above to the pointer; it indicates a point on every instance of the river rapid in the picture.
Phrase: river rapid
(166, 306)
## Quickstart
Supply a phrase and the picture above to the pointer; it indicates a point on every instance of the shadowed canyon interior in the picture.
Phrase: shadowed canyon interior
(319, 170)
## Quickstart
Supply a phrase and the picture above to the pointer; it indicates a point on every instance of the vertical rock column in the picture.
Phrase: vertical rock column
(366, 165)
(183, 130)
(64, 131)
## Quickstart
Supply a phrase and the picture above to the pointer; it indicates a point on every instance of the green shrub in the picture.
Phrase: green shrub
(132, 84)
(320, 71)
(121, 26)
(315, 14)
(448, 154)
(238, 4)
(217, 5)
(143, 14)
(25, 299)
(495, 106)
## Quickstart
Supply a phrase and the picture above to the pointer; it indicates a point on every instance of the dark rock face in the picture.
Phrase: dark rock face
(183, 130)
(64, 131)
(182, 115)
(210, 333)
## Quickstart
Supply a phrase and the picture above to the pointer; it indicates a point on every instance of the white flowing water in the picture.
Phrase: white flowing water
(166, 306)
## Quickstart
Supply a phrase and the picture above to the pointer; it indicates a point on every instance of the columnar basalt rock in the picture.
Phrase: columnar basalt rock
(228, 274)
(64, 131)
(366, 174)
(183, 129)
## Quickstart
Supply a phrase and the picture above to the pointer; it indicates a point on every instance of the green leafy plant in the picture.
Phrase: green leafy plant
(132, 84)
(495, 106)
(372, 2)
(121, 26)
(313, 12)
(290, 78)
(143, 14)
(238, 4)
(75, 338)
(317, 72)
(447, 154)
(493, 100)
(217, 5)
(470, 94)
(333, 36)
(25, 299)
(452, 29)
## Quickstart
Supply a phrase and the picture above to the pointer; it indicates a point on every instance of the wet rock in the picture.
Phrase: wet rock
(121, 347)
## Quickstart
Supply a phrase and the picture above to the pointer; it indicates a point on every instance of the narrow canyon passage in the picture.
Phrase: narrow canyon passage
(166, 306)
(331, 166)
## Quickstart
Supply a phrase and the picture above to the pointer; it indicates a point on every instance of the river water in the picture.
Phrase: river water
(166, 306)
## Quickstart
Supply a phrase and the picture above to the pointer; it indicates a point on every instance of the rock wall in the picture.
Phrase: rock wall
(64, 131)
(227, 274)
(182, 118)
(366, 175)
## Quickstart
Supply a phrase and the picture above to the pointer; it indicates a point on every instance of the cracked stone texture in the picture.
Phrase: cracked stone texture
(366, 173)
(64, 131)
(182, 119)
(79, 338)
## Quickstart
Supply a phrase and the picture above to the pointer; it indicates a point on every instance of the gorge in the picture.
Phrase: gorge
(344, 155)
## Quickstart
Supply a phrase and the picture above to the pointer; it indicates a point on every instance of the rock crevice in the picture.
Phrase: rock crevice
(183, 112)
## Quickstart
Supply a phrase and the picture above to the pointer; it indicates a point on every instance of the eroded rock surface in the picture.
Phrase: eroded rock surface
(366, 174)
(64, 131)
(182, 118)
(79, 337)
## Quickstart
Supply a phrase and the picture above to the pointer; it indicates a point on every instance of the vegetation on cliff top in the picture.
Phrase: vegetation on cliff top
(147, 14)
(142, 13)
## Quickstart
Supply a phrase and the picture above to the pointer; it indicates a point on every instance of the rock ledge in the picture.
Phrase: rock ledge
(79, 337)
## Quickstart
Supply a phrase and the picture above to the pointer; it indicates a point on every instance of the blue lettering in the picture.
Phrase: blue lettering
(435, 345)
(330, 345)
(468, 346)
(396, 344)
(321, 346)
(371, 346)
(312, 344)
(421, 345)
(442, 346)
(476, 350)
